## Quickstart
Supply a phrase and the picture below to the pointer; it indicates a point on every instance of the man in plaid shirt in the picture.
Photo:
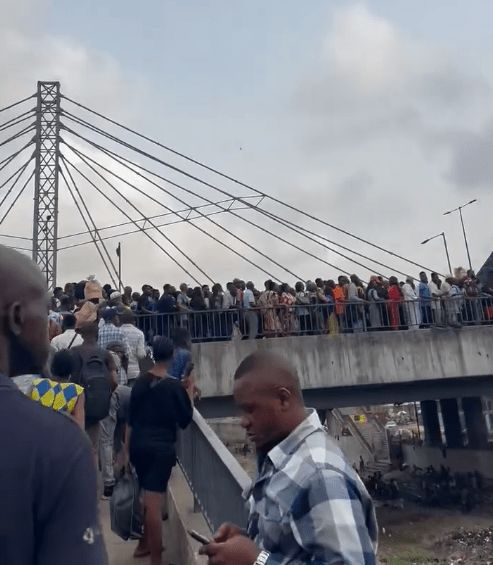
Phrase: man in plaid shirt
(307, 504)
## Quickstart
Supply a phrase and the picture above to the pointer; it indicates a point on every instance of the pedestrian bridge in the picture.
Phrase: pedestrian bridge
(359, 368)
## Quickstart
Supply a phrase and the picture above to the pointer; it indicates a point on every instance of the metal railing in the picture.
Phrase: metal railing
(215, 477)
(316, 319)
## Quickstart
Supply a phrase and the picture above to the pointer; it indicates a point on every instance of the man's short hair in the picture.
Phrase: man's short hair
(69, 321)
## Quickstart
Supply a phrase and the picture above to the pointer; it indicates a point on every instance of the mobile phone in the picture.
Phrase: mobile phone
(199, 537)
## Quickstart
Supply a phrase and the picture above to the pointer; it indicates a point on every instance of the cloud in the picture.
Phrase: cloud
(372, 80)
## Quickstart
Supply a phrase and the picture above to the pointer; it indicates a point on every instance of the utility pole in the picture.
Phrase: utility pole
(45, 221)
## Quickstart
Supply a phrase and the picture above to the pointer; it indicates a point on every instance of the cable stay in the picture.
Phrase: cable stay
(18, 103)
(16, 237)
(19, 171)
(82, 156)
(112, 138)
(187, 210)
(66, 160)
(229, 178)
(143, 227)
(5, 162)
(19, 194)
(123, 161)
(29, 128)
(18, 120)
(84, 218)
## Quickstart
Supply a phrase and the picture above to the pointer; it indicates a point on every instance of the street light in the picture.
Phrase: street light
(459, 209)
(445, 245)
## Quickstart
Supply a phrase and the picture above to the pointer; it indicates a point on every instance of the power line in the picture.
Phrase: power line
(65, 160)
(110, 273)
(236, 181)
(17, 103)
(122, 161)
(190, 222)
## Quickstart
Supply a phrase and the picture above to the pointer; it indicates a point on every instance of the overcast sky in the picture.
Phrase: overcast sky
(376, 116)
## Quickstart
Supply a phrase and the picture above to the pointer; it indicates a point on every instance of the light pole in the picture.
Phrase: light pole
(459, 209)
(445, 245)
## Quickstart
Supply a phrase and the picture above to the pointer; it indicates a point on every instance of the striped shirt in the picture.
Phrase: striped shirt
(308, 505)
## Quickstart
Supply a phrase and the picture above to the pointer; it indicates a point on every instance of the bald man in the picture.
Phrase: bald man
(307, 504)
(48, 508)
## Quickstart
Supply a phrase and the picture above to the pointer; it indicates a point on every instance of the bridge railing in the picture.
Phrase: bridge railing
(215, 477)
(315, 319)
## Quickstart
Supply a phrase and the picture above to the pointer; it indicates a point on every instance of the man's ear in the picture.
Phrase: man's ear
(285, 397)
(15, 318)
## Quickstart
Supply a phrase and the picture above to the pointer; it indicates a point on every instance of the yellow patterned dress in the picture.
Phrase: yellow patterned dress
(61, 397)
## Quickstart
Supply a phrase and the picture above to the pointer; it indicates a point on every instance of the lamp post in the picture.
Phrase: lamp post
(459, 209)
(444, 244)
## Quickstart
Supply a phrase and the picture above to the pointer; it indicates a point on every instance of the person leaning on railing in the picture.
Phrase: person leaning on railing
(307, 504)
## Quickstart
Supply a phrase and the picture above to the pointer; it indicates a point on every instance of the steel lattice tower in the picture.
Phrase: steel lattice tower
(45, 221)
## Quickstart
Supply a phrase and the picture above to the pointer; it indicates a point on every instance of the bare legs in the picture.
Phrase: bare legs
(152, 542)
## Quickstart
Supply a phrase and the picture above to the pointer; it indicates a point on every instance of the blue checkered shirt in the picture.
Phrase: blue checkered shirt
(109, 333)
(308, 505)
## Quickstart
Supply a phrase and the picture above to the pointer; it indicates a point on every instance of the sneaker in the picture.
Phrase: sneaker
(107, 493)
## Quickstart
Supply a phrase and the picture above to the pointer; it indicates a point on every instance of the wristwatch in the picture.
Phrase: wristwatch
(262, 558)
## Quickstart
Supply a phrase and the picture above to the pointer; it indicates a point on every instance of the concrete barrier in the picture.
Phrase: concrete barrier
(181, 548)
(377, 364)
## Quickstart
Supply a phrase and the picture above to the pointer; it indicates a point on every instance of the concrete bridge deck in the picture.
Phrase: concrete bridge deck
(360, 368)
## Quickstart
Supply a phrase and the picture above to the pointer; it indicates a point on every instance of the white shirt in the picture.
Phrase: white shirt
(408, 292)
(136, 343)
(63, 340)
(248, 298)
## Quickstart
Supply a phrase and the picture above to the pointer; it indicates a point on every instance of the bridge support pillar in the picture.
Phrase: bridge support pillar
(477, 432)
(431, 423)
(451, 422)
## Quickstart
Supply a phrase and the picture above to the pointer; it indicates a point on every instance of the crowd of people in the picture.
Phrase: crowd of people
(431, 487)
(321, 306)
(96, 377)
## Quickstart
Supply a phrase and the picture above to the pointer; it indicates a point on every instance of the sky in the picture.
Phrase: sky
(375, 116)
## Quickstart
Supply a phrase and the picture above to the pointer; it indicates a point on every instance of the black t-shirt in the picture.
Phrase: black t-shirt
(48, 500)
(157, 408)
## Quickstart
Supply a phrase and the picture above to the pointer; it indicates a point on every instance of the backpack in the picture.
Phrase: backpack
(94, 377)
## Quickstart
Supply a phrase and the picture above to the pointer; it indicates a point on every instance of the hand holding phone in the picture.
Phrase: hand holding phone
(199, 537)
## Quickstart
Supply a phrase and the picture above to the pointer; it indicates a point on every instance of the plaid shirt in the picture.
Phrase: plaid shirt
(309, 506)
(108, 334)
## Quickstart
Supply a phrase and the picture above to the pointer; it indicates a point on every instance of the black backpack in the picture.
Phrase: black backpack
(95, 378)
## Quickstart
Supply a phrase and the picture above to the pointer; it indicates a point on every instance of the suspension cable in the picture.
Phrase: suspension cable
(123, 162)
(105, 263)
(19, 194)
(17, 103)
(240, 183)
(66, 160)
(190, 222)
